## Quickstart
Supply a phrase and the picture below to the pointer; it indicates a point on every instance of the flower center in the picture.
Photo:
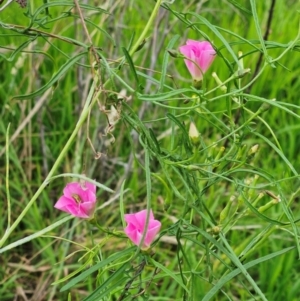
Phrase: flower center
(77, 198)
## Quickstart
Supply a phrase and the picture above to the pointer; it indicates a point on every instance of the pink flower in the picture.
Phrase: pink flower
(201, 55)
(136, 223)
(79, 199)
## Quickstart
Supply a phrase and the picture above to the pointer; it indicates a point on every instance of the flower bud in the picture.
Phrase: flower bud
(223, 88)
(174, 53)
(268, 205)
(230, 209)
(194, 134)
(256, 200)
(241, 61)
(251, 182)
(218, 156)
(242, 73)
(225, 212)
(141, 45)
(216, 230)
(253, 150)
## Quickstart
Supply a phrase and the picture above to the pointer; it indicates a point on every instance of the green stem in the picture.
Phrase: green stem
(145, 31)
(89, 102)
(91, 99)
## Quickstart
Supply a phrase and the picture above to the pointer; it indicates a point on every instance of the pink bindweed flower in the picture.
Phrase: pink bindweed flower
(79, 199)
(200, 55)
(136, 223)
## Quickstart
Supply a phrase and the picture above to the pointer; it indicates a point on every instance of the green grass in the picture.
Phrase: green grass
(218, 241)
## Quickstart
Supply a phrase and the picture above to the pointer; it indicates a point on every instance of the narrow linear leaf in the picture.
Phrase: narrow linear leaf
(290, 217)
(279, 152)
(217, 286)
(184, 182)
(257, 26)
(98, 27)
(36, 234)
(131, 66)
(227, 250)
(165, 62)
(140, 127)
(164, 96)
(55, 77)
(46, 6)
(171, 183)
(260, 215)
(185, 135)
(96, 267)
(169, 273)
(256, 240)
(241, 8)
(131, 40)
(179, 124)
(242, 268)
(75, 175)
(153, 137)
(243, 40)
(107, 286)
(278, 104)
(19, 49)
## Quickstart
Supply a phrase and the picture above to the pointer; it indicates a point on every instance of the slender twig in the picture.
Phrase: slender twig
(34, 32)
(83, 22)
(92, 48)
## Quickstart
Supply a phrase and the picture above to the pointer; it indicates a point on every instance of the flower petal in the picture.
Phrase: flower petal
(135, 228)
(200, 54)
(77, 200)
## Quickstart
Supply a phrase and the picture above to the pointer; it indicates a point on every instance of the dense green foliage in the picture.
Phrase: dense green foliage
(105, 98)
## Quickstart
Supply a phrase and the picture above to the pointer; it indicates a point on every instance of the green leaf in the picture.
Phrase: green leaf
(36, 234)
(165, 62)
(260, 215)
(171, 183)
(153, 137)
(132, 68)
(290, 217)
(169, 273)
(96, 267)
(185, 135)
(107, 286)
(241, 8)
(258, 29)
(278, 104)
(99, 28)
(223, 280)
(164, 96)
(79, 176)
(41, 9)
(55, 77)
(279, 152)
(227, 250)
(19, 49)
